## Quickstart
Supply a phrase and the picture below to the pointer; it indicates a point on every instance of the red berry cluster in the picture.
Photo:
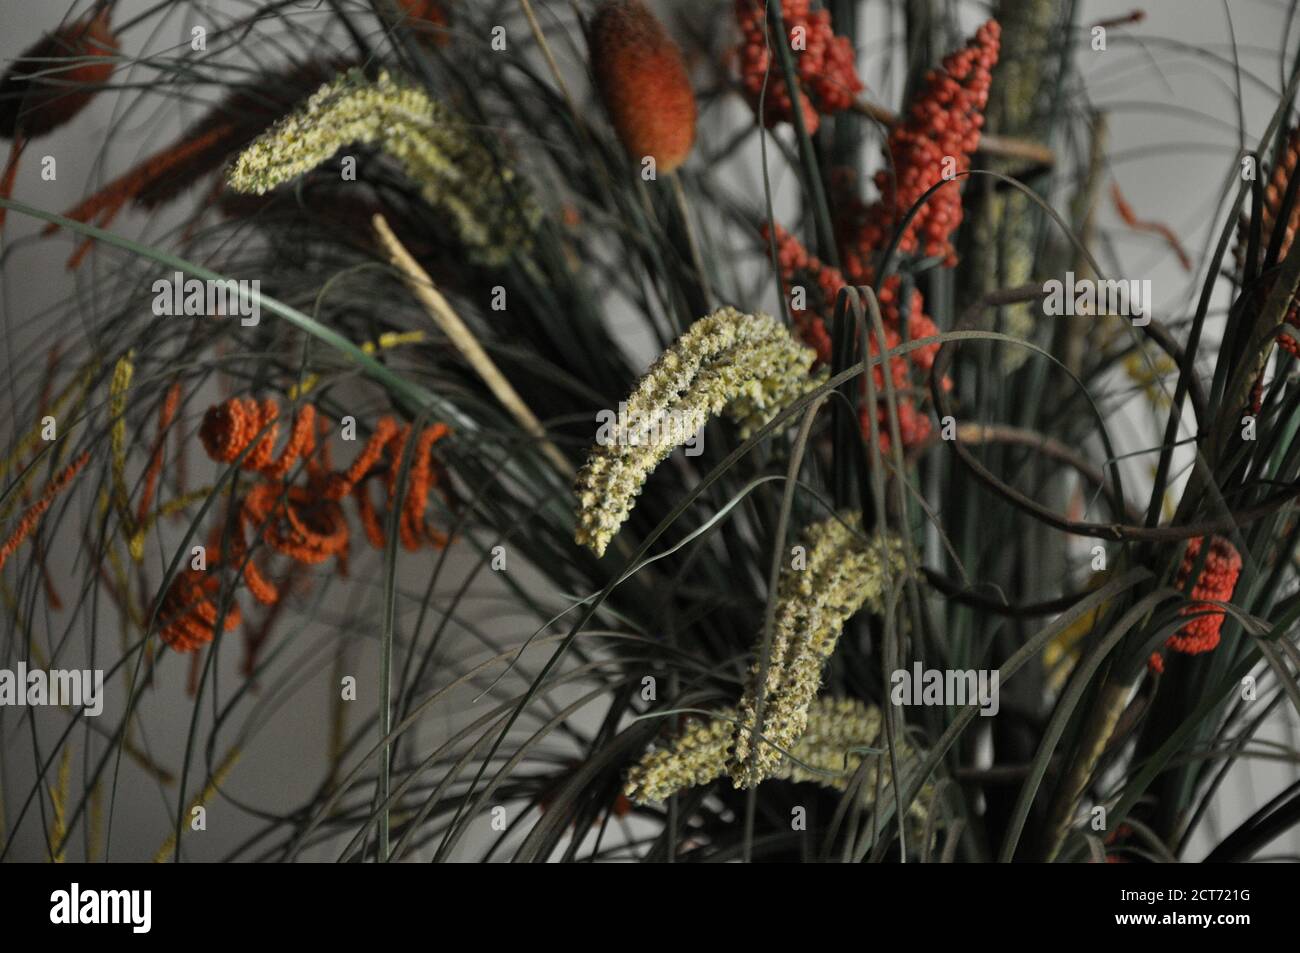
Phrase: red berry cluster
(1274, 192)
(913, 424)
(944, 120)
(822, 284)
(1217, 581)
(828, 78)
(938, 136)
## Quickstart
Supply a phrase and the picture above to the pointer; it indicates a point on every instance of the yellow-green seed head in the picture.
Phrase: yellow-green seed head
(491, 212)
(746, 366)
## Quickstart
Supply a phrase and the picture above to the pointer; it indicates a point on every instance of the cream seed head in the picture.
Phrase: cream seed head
(746, 366)
(830, 752)
(843, 574)
(492, 214)
(696, 755)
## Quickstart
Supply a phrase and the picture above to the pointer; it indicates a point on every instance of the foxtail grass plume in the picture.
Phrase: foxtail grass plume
(205, 146)
(842, 574)
(745, 365)
(840, 732)
(491, 212)
(643, 84)
(38, 94)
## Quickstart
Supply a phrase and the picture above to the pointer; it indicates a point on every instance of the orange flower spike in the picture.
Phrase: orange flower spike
(302, 443)
(423, 478)
(320, 463)
(370, 522)
(10, 174)
(37, 96)
(229, 427)
(943, 122)
(396, 450)
(166, 415)
(827, 76)
(103, 206)
(643, 83)
(296, 522)
(262, 589)
(33, 515)
(341, 484)
(1217, 581)
(431, 19)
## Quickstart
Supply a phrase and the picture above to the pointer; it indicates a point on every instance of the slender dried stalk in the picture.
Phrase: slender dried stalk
(446, 318)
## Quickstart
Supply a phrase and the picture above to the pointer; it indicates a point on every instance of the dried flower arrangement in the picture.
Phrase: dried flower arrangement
(847, 441)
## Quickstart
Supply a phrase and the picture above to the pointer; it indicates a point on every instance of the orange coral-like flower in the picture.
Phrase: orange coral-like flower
(232, 427)
(189, 610)
(304, 522)
(643, 83)
(421, 480)
(824, 64)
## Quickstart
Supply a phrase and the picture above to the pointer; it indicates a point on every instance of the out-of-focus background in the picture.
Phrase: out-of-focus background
(1177, 112)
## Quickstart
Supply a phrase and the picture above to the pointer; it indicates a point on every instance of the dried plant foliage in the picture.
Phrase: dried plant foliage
(909, 467)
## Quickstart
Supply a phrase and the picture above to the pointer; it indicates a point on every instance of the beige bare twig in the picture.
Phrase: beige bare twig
(445, 317)
(1004, 147)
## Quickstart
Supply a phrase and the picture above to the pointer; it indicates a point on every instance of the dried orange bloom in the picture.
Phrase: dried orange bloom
(1270, 216)
(1130, 218)
(643, 83)
(424, 476)
(166, 414)
(1271, 211)
(297, 522)
(303, 522)
(230, 428)
(189, 611)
